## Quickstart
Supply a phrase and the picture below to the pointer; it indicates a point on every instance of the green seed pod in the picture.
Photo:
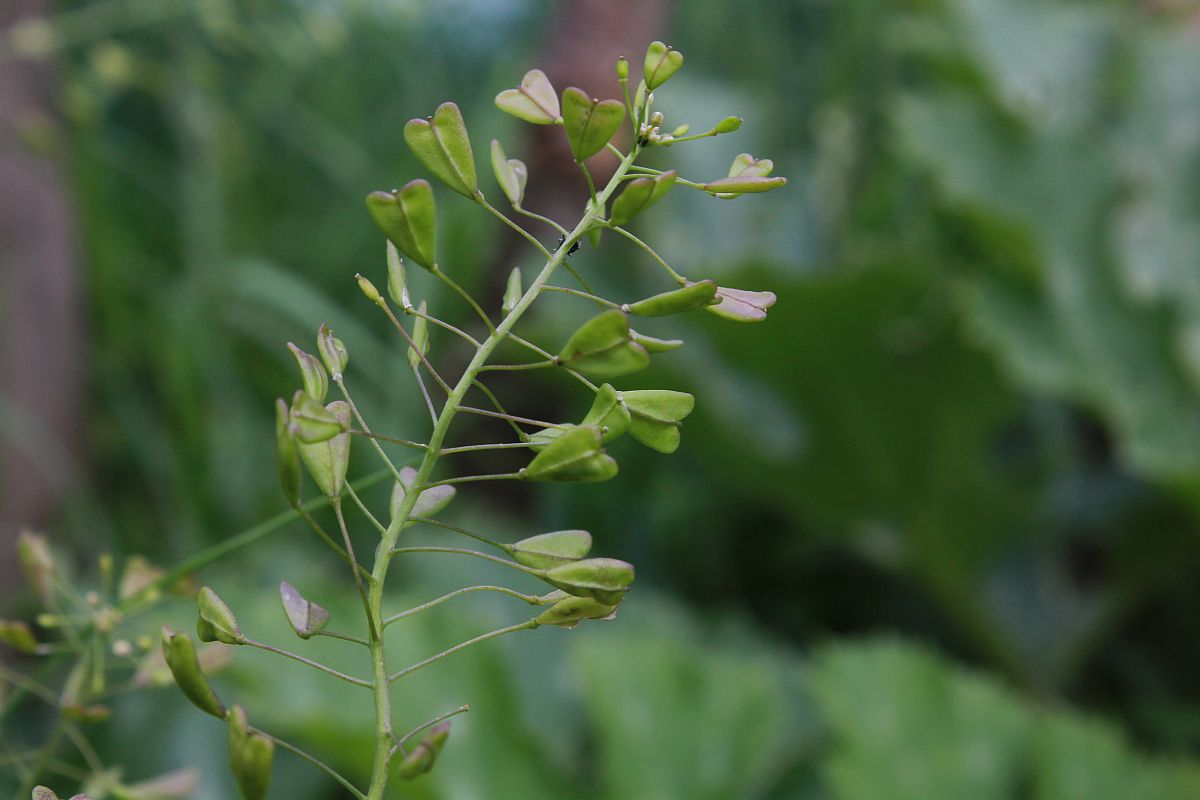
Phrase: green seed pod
(17, 635)
(688, 298)
(548, 550)
(250, 756)
(441, 143)
(728, 125)
(420, 336)
(654, 345)
(430, 502)
(316, 382)
(397, 280)
(512, 292)
(369, 289)
(287, 463)
(640, 194)
(656, 416)
(608, 413)
(216, 623)
(622, 69)
(745, 166)
(312, 422)
(576, 456)
(333, 351)
(603, 347)
(306, 617)
(602, 579)
(409, 218)
(38, 565)
(590, 123)
(740, 305)
(327, 461)
(570, 611)
(180, 655)
(422, 757)
(750, 184)
(510, 173)
(661, 63)
(533, 101)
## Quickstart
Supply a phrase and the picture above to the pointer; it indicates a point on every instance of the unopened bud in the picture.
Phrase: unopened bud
(369, 289)
(657, 118)
(728, 125)
(622, 69)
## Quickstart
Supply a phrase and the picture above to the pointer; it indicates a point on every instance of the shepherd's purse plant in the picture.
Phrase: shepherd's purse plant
(316, 434)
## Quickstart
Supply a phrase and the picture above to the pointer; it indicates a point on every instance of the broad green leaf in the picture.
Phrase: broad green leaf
(548, 550)
(656, 415)
(180, 655)
(589, 123)
(510, 173)
(429, 503)
(576, 455)
(603, 347)
(638, 195)
(533, 101)
(741, 305)
(441, 143)
(688, 298)
(661, 63)
(306, 617)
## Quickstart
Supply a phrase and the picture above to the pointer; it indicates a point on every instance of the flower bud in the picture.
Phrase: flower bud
(657, 118)
(333, 351)
(681, 130)
(180, 655)
(369, 289)
(216, 622)
(306, 617)
(33, 551)
(728, 125)
(602, 579)
(622, 69)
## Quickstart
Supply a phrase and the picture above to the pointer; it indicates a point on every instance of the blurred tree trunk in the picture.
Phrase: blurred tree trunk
(40, 326)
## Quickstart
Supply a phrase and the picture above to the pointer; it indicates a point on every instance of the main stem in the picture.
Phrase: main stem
(383, 555)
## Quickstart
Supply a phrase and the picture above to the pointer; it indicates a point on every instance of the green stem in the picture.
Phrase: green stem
(464, 551)
(416, 312)
(532, 599)
(309, 662)
(586, 295)
(534, 215)
(465, 295)
(483, 412)
(682, 281)
(427, 724)
(328, 770)
(504, 218)
(522, 626)
(380, 678)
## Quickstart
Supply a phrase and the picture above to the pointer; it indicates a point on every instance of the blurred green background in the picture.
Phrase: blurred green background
(934, 529)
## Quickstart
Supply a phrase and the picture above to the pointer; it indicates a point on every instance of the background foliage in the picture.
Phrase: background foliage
(933, 531)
